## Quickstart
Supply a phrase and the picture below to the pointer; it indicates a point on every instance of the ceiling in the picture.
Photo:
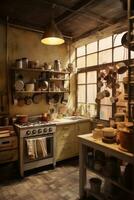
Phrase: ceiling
(75, 18)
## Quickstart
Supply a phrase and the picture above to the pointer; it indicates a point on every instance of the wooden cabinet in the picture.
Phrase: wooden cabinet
(66, 139)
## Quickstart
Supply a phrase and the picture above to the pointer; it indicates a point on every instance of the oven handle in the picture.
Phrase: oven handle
(34, 137)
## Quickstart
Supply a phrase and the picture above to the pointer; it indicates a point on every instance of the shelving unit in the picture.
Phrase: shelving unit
(86, 141)
(52, 77)
(130, 64)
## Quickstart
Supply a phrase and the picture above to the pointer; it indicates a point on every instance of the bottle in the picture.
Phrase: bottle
(57, 65)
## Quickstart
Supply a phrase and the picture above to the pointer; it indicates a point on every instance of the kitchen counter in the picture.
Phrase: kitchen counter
(70, 120)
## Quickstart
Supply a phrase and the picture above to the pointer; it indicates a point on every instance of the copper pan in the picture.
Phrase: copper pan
(124, 41)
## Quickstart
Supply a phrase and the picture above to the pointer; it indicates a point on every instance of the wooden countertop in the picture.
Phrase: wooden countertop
(112, 149)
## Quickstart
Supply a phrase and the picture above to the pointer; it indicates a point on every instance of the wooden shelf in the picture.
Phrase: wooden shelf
(59, 72)
(58, 79)
(40, 92)
(132, 42)
(39, 69)
(26, 92)
(29, 69)
(58, 91)
(132, 17)
(99, 196)
(112, 181)
(86, 141)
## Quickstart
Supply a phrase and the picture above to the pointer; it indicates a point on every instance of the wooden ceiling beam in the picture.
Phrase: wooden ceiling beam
(117, 24)
(78, 9)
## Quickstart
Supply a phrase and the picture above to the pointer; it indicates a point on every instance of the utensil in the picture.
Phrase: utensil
(21, 101)
(29, 87)
(28, 100)
(22, 118)
(121, 68)
(124, 41)
(36, 98)
(44, 85)
(19, 85)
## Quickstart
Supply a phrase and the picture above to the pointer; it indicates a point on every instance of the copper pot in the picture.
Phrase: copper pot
(126, 138)
(22, 119)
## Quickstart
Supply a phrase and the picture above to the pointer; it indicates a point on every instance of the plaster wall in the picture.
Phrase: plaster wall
(25, 43)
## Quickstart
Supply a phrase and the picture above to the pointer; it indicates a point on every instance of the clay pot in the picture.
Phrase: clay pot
(22, 118)
(119, 117)
(126, 138)
(95, 184)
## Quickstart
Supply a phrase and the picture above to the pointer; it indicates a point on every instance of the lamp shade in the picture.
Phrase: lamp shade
(52, 35)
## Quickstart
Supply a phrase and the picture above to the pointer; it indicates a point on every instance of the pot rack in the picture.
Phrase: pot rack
(130, 63)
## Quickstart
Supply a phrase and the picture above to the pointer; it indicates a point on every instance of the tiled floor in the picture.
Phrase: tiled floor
(61, 183)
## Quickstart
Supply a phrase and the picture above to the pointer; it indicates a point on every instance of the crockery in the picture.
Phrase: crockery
(121, 68)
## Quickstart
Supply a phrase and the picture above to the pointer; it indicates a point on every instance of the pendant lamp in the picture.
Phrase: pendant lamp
(52, 35)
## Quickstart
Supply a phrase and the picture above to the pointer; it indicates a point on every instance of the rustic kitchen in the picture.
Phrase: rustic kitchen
(67, 100)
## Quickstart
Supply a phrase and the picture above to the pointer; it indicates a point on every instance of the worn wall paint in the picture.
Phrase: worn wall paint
(23, 43)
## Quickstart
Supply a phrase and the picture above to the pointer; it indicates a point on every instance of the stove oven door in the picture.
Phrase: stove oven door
(37, 148)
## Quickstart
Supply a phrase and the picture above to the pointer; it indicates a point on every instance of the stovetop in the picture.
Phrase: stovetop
(35, 124)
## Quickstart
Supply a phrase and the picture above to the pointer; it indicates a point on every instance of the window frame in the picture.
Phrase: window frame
(97, 68)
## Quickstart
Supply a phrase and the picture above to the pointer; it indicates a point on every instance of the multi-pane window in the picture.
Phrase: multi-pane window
(90, 59)
(87, 85)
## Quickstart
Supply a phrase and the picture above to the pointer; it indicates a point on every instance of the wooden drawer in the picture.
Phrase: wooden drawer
(8, 143)
(8, 156)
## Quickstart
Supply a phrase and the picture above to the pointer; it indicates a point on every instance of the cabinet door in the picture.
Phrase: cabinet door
(65, 141)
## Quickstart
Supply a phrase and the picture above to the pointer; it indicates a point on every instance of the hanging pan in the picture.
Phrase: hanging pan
(124, 41)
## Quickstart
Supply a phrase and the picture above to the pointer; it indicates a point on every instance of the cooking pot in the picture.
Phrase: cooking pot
(21, 119)
(121, 68)
(126, 138)
(44, 85)
(109, 132)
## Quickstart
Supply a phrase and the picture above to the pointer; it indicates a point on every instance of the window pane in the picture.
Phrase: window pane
(92, 47)
(92, 59)
(105, 43)
(105, 112)
(81, 93)
(105, 56)
(81, 62)
(120, 53)
(91, 110)
(81, 51)
(132, 54)
(81, 108)
(92, 77)
(91, 93)
(73, 56)
(106, 100)
(117, 39)
(81, 78)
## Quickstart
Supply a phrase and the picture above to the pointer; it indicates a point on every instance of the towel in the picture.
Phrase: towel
(32, 148)
(43, 145)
